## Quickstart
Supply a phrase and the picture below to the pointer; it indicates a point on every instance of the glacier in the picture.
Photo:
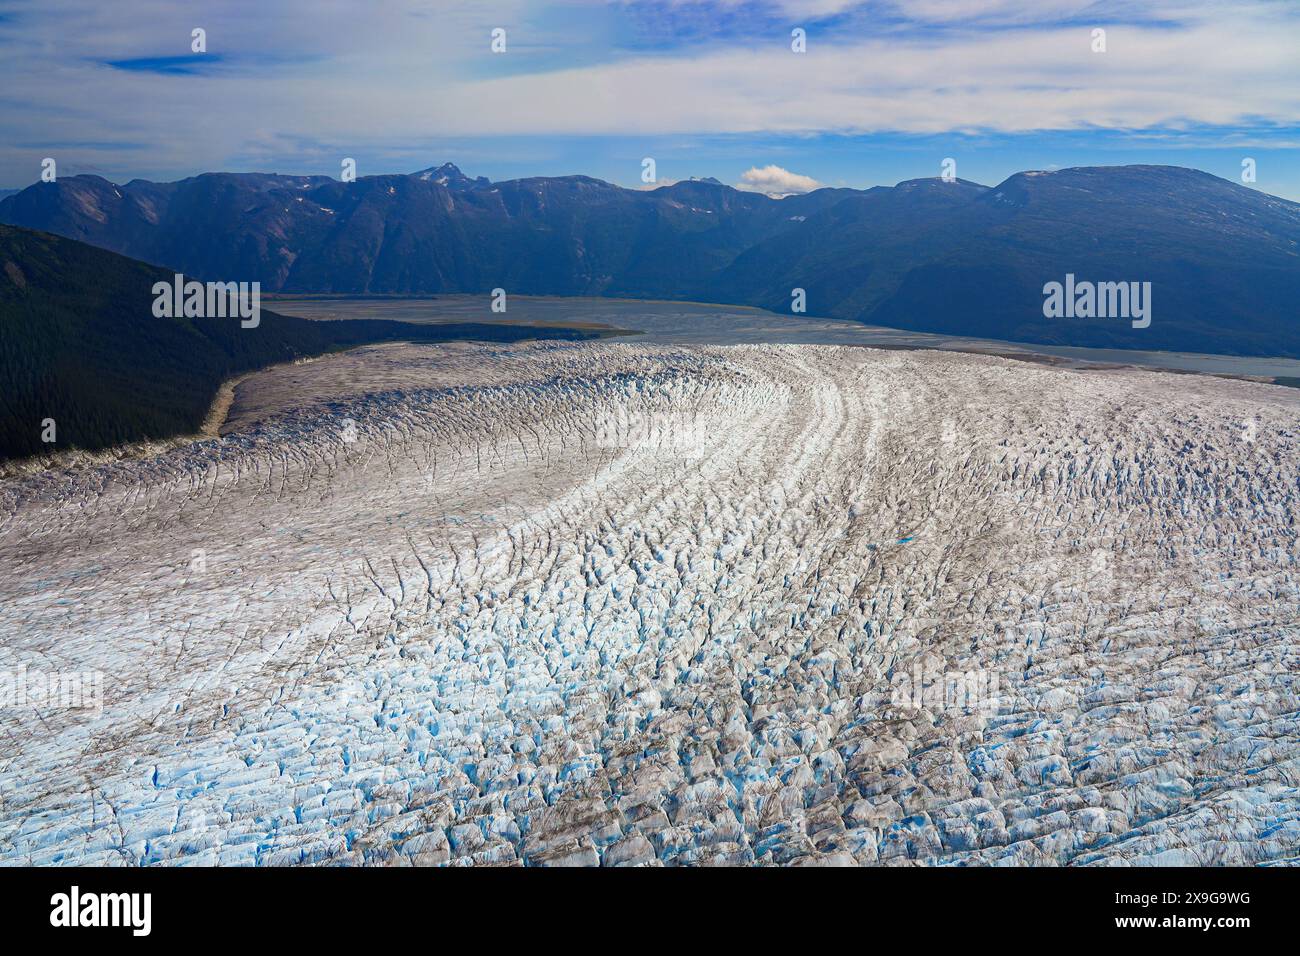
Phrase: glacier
(622, 604)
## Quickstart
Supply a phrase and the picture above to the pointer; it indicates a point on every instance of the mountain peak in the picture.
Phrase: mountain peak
(1114, 176)
(449, 174)
(695, 182)
(938, 181)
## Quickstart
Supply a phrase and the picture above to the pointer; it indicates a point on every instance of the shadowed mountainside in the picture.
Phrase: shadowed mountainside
(81, 346)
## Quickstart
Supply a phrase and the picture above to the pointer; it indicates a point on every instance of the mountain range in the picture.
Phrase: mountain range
(928, 255)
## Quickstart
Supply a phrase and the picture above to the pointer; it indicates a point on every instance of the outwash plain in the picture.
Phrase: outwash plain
(617, 604)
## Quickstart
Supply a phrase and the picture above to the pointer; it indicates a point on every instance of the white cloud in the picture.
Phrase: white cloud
(816, 8)
(1000, 11)
(776, 182)
(1231, 72)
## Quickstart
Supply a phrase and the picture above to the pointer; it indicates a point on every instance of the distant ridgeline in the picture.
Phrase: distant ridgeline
(1221, 261)
(87, 360)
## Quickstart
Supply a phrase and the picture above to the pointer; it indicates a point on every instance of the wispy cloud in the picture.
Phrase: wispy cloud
(316, 79)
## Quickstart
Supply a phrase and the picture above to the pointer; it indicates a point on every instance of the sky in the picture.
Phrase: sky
(884, 90)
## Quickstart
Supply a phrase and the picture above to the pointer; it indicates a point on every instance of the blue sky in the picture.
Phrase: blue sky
(885, 90)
